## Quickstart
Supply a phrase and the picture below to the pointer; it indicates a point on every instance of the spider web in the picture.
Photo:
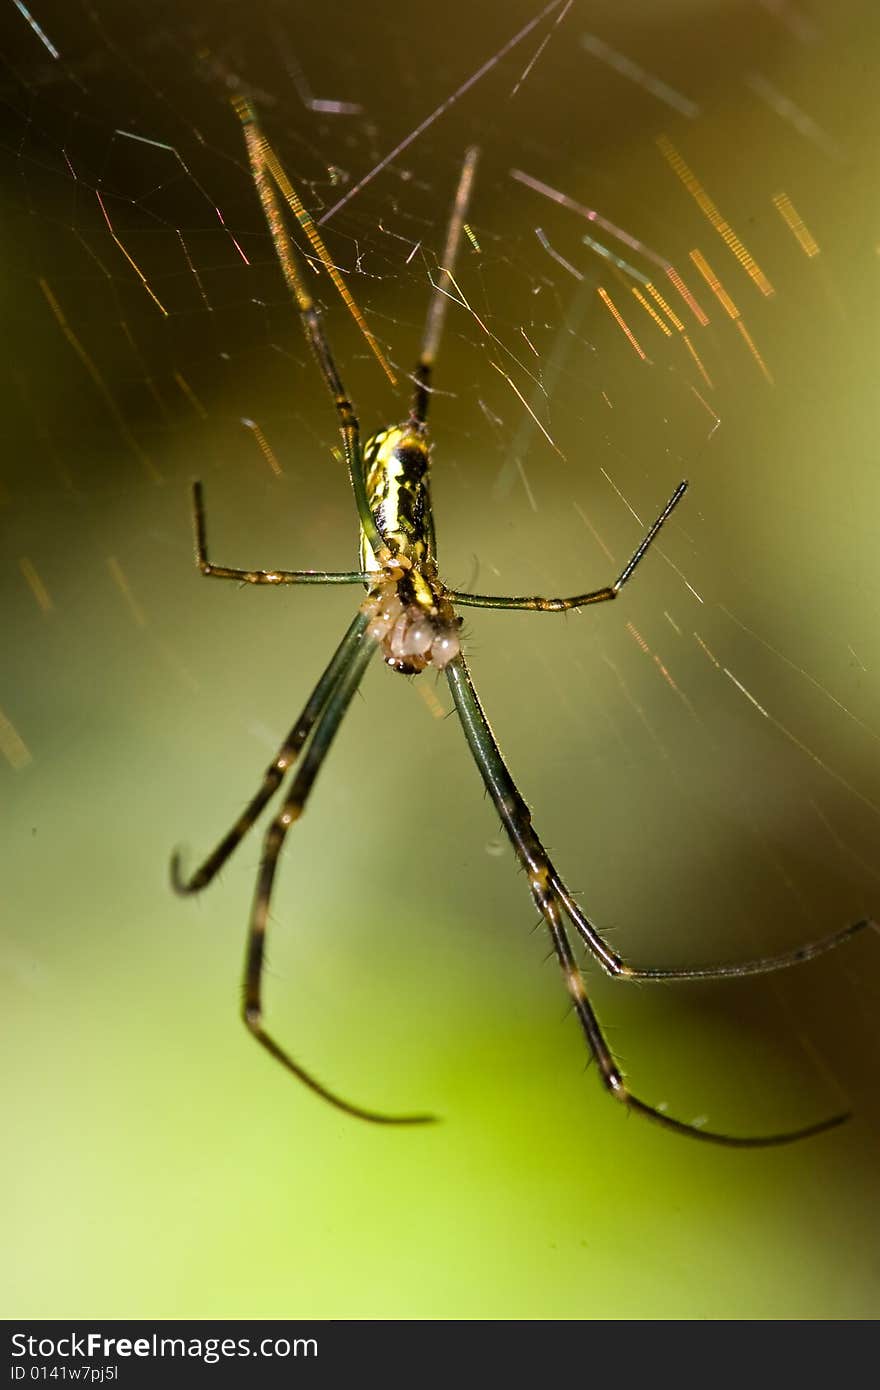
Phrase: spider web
(705, 756)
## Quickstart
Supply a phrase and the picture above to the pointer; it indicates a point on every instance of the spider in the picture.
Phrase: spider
(409, 615)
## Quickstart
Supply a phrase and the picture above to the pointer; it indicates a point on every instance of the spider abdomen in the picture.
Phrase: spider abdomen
(414, 634)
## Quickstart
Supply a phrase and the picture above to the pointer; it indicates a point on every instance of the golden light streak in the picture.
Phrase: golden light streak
(714, 660)
(513, 386)
(706, 406)
(612, 484)
(664, 671)
(633, 513)
(122, 584)
(593, 532)
(714, 283)
(463, 301)
(265, 447)
(469, 233)
(803, 747)
(841, 844)
(12, 745)
(171, 149)
(148, 380)
(435, 709)
(525, 482)
(653, 312)
(195, 273)
(262, 159)
(754, 351)
(793, 666)
(636, 707)
(439, 286)
(673, 624)
(634, 632)
(709, 209)
(36, 585)
(667, 676)
(99, 381)
(607, 301)
(190, 395)
(696, 356)
(686, 295)
(304, 218)
(529, 341)
(658, 299)
(686, 582)
(271, 209)
(856, 658)
(793, 220)
(131, 261)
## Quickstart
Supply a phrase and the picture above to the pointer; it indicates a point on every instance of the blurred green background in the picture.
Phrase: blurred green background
(702, 758)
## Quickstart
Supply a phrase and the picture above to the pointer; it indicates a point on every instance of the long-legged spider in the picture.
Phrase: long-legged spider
(409, 614)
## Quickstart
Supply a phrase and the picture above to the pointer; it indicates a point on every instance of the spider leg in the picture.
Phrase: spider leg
(440, 298)
(259, 155)
(212, 571)
(610, 1073)
(761, 965)
(562, 605)
(552, 903)
(340, 662)
(324, 732)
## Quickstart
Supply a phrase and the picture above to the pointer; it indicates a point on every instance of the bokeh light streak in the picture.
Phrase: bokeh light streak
(120, 579)
(627, 68)
(609, 304)
(714, 283)
(698, 360)
(263, 159)
(658, 299)
(709, 209)
(35, 584)
(701, 317)
(793, 220)
(131, 261)
(649, 309)
(102, 386)
(750, 343)
(12, 745)
(264, 446)
(44, 39)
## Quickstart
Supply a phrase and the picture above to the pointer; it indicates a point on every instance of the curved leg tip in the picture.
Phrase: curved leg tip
(377, 1117)
(731, 1141)
(252, 1018)
(408, 1119)
(178, 878)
